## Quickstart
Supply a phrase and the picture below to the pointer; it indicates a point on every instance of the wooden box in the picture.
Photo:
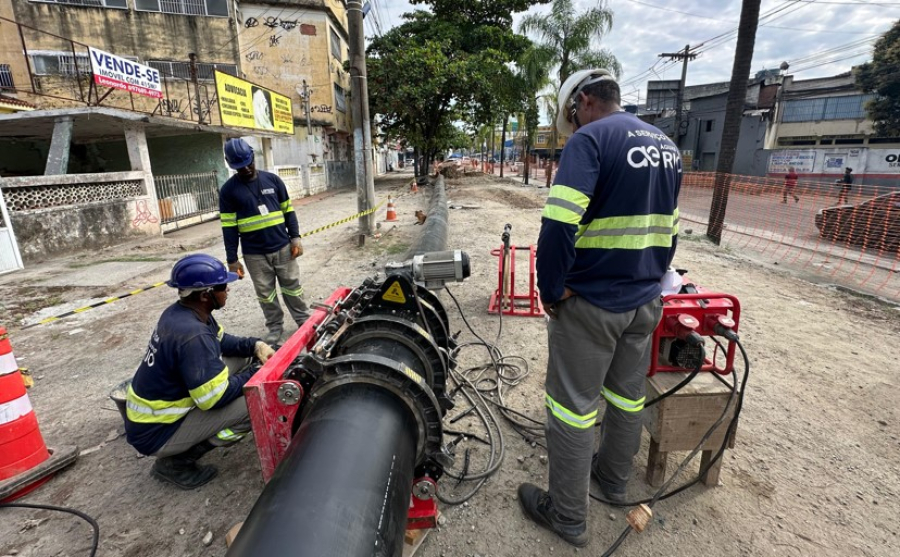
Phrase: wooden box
(679, 422)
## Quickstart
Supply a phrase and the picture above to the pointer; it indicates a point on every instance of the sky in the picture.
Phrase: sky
(816, 37)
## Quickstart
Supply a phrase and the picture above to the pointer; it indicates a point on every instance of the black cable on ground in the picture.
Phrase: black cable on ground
(95, 541)
(732, 425)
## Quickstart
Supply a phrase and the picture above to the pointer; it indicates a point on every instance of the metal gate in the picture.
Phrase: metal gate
(186, 199)
(10, 259)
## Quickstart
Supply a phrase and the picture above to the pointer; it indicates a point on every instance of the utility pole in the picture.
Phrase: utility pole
(306, 97)
(683, 55)
(193, 58)
(362, 130)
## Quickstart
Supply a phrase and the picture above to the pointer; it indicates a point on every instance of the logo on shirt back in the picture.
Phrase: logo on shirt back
(643, 156)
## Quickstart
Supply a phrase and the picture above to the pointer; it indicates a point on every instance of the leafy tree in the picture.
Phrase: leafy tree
(572, 38)
(882, 77)
(441, 67)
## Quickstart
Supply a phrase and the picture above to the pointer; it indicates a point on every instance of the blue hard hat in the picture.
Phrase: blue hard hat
(238, 154)
(199, 270)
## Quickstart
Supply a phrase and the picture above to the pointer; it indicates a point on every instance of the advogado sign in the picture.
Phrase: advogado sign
(114, 71)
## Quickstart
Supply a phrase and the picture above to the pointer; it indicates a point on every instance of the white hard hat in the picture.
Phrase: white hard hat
(570, 89)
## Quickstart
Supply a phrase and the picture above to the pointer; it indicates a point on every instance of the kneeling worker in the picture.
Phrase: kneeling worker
(184, 401)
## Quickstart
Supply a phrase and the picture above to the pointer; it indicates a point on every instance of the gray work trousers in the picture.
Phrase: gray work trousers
(221, 427)
(264, 270)
(594, 354)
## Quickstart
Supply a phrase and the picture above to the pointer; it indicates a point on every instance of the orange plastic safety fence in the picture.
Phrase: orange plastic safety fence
(850, 238)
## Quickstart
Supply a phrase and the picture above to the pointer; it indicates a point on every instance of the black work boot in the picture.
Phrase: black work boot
(537, 505)
(182, 470)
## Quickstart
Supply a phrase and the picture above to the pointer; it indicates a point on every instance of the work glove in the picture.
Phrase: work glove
(263, 351)
(296, 248)
(238, 268)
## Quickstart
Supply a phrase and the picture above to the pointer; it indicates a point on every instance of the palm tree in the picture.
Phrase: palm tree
(734, 111)
(532, 74)
(571, 37)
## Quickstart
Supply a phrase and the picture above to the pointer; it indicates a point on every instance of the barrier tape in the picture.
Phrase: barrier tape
(158, 284)
(344, 220)
(98, 304)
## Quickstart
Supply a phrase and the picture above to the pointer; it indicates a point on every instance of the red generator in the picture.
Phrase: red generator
(688, 318)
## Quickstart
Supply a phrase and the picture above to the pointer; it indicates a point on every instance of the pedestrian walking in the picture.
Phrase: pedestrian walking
(790, 184)
(257, 213)
(846, 182)
(608, 234)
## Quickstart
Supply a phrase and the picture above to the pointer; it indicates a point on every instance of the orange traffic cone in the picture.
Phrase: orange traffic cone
(25, 462)
(391, 211)
(414, 187)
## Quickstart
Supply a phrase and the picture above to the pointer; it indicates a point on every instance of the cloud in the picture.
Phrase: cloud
(794, 31)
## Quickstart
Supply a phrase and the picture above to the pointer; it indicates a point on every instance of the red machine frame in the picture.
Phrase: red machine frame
(272, 418)
(499, 299)
(700, 313)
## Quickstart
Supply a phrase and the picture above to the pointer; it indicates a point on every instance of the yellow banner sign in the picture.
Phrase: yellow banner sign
(245, 105)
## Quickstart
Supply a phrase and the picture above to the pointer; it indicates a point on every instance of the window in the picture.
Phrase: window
(541, 139)
(335, 45)
(710, 125)
(121, 4)
(848, 107)
(182, 70)
(340, 101)
(804, 140)
(184, 7)
(60, 63)
(6, 80)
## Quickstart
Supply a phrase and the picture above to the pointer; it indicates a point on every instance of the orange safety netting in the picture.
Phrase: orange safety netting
(852, 239)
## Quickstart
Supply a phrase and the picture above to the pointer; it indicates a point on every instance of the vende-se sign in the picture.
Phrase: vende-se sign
(114, 71)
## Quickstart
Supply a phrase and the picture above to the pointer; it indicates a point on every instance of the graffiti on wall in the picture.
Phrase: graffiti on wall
(181, 108)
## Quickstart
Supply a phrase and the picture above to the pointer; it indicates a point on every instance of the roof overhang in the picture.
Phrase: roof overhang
(91, 124)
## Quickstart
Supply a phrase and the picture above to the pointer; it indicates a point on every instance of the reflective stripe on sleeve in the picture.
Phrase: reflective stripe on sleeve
(565, 415)
(228, 219)
(208, 394)
(221, 332)
(623, 403)
(287, 207)
(565, 204)
(14, 409)
(143, 411)
(259, 222)
(630, 232)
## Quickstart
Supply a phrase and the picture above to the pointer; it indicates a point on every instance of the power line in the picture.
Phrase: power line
(805, 30)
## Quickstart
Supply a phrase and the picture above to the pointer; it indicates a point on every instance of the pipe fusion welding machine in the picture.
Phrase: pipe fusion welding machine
(347, 419)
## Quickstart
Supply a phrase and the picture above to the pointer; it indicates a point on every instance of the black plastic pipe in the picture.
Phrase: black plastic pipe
(343, 488)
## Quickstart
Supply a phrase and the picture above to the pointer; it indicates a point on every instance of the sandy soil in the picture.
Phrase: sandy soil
(815, 470)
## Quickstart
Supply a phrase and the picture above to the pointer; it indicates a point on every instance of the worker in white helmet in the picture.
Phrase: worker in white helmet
(608, 234)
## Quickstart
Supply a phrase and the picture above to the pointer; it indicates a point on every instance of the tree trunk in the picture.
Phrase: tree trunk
(527, 150)
(734, 114)
(415, 162)
(503, 144)
(551, 157)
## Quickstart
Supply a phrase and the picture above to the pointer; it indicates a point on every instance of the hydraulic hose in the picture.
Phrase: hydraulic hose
(344, 485)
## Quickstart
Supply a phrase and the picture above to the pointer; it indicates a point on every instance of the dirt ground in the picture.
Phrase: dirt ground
(815, 470)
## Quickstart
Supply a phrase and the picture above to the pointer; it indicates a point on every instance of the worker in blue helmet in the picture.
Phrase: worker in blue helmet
(185, 399)
(257, 214)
